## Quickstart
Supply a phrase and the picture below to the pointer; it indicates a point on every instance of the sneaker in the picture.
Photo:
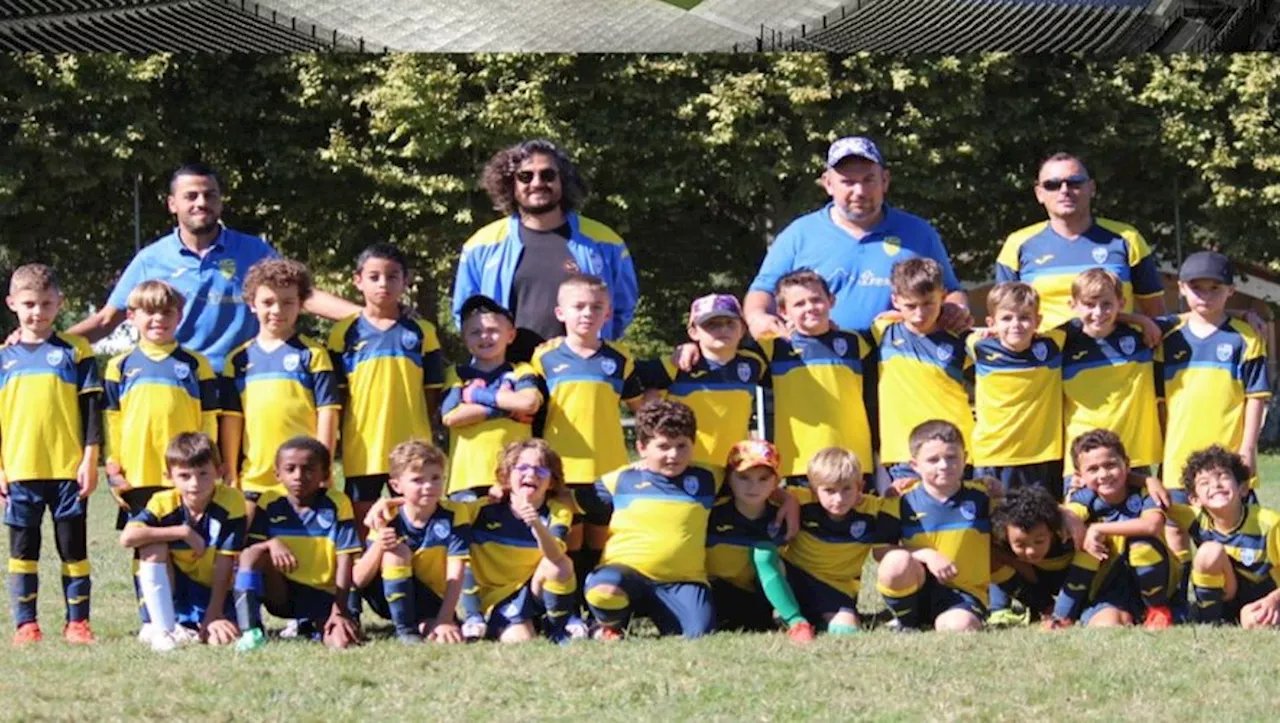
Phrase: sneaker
(609, 634)
(184, 635)
(162, 642)
(1052, 623)
(474, 628)
(292, 629)
(895, 626)
(408, 638)
(801, 633)
(27, 633)
(1007, 618)
(1158, 618)
(78, 632)
(145, 632)
(251, 640)
(576, 629)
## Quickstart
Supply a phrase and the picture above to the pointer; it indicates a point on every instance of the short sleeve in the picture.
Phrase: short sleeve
(1253, 367)
(135, 273)
(1008, 263)
(210, 385)
(889, 521)
(258, 529)
(459, 544)
(780, 259)
(230, 538)
(631, 385)
(228, 392)
(559, 521)
(878, 327)
(938, 252)
(1273, 551)
(148, 516)
(432, 358)
(87, 379)
(655, 373)
(1143, 272)
(452, 390)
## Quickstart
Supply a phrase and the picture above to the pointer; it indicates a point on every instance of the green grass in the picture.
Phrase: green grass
(683, 4)
(1018, 674)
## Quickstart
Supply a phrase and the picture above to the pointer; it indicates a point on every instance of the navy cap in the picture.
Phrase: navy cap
(1207, 265)
(480, 302)
(853, 147)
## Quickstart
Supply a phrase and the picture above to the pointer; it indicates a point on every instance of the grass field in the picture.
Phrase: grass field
(1179, 674)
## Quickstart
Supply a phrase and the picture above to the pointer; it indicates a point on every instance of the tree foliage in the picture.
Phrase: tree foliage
(697, 160)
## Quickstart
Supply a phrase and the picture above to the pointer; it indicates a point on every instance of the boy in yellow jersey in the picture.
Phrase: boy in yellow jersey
(1031, 551)
(193, 531)
(941, 572)
(1213, 369)
(153, 392)
(488, 402)
(519, 552)
(721, 386)
(1121, 573)
(419, 549)
(921, 365)
(654, 563)
(1018, 377)
(277, 386)
(392, 375)
(817, 376)
(300, 551)
(748, 583)
(839, 526)
(586, 379)
(50, 433)
(1108, 374)
(1236, 569)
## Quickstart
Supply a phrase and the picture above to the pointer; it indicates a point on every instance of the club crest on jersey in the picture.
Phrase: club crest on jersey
(511, 609)
(440, 529)
(409, 340)
(227, 267)
(291, 362)
(609, 366)
(690, 484)
(857, 529)
(1133, 504)
(324, 519)
(1223, 351)
(968, 510)
(892, 245)
(182, 370)
(1099, 255)
(744, 372)
(1040, 351)
(1248, 555)
(215, 528)
(1127, 345)
(55, 357)
(945, 352)
(841, 346)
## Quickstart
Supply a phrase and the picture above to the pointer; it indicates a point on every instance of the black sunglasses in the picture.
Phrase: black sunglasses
(546, 175)
(1073, 182)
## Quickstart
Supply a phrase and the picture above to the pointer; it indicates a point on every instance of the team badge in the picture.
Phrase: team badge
(968, 510)
(215, 528)
(1127, 345)
(841, 346)
(324, 519)
(609, 366)
(773, 529)
(227, 267)
(690, 484)
(945, 352)
(291, 362)
(182, 370)
(744, 372)
(54, 357)
(1099, 255)
(892, 245)
(440, 529)
(409, 340)
(857, 529)
(1040, 351)
(1133, 504)
(510, 610)
(597, 262)
(1247, 555)
(1224, 352)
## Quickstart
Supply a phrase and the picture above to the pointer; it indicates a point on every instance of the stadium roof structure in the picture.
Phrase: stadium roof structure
(943, 26)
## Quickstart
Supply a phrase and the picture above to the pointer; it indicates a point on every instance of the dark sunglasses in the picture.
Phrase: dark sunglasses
(538, 470)
(546, 175)
(1073, 182)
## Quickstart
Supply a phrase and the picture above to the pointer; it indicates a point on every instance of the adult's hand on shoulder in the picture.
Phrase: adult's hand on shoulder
(955, 318)
(686, 356)
(765, 326)
(13, 338)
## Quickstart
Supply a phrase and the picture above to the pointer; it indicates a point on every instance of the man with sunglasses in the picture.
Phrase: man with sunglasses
(520, 260)
(1050, 254)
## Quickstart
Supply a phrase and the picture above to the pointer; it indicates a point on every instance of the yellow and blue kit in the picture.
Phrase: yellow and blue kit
(922, 378)
(1253, 547)
(959, 528)
(410, 594)
(1205, 384)
(386, 375)
(654, 562)
(584, 395)
(1017, 437)
(1110, 384)
(721, 397)
(732, 539)
(279, 393)
(818, 396)
(474, 449)
(1050, 262)
(49, 413)
(221, 526)
(153, 393)
(1038, 594)
(504, 557)
(1137, 573)
(825, 559)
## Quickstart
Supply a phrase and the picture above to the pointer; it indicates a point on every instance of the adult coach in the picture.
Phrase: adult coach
(520, 260)
(852, 242)
(1050, 254)
(207, 263)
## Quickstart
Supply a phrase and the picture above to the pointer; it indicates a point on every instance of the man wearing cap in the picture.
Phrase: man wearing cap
(206, 262)
(1050, 254)
(852, 242)
(520, 260)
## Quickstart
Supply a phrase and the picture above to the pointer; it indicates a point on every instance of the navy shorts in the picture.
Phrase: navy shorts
(1047, 475)
(191, 600)
(366, 488)
(676, 608)
(425, 602)
(521, 606)
(738, 609)
(28, 500)
(936, 599)
(1117, 590)
(137, 499)
(302, 602)
(1247, 591)
(1037, 595)
(818, 599)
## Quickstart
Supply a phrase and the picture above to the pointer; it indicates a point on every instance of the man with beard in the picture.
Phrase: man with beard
(520, 260)
(206, 262)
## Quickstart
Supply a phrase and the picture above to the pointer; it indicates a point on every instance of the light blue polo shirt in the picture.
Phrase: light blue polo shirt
(215, 319)
(856, 270)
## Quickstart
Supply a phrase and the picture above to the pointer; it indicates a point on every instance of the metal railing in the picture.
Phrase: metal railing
(772, 39)
(330, 37)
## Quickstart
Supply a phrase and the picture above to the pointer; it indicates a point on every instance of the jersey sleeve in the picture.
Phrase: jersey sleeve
(1079, 503)
(560, 521)
(655, 373)
(938, 252)
(345, 539)
(432, 358)
(148, 516)
(1182, 515)
(1143, 272)
(1273, 551)
(459, 544)
(135, 273)
(452, 390)
(879, 325)
(889, 522)
(324, 380)
(780, 259)
(258, 528)
(231, 537)
(1008, 263)
(601, 503)
(87, 379)
(523, 377)
(111, 387)
(210, 396)
(1253, 367)
(631, 385)
(228, 392)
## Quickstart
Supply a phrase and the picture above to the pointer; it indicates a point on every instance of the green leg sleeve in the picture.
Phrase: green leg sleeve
(769, 569)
